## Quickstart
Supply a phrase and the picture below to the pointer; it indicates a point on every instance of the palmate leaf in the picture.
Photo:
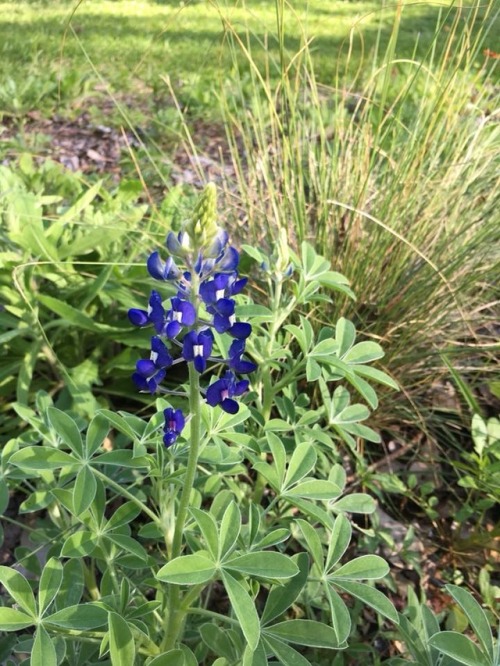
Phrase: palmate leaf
(304, 632)
(50, 582)
(170, 658)
(121, 641)
(44, 652)
(187, 570)
(42, 458)
(19, 589)
(282, 597)
(371, 597)
(286, 655)
(263, 564)
(12, 619)
(364, 568)
(475, 615)
(82, 617)
(459, 647)
(67, 430)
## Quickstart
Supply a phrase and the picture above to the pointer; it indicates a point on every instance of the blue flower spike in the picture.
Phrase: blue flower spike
(174, 424)
(202, 269)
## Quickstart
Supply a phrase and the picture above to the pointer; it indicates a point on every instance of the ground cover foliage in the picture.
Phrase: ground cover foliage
(348, 511)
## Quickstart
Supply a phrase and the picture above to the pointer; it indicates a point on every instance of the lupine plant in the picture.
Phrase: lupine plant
(219, 529)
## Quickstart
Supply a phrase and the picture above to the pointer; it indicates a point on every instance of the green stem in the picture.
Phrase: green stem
(176, 616)
(125, 493)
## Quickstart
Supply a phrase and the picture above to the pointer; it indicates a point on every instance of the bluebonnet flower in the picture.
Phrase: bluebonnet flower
(155, 314)
(151, 371)
(174, 424)
(197, 347)
(183, 313)
(235, 362)
(222, 391)
(200, 255)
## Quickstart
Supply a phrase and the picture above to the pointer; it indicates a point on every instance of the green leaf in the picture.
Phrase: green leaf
(42, 458)
(12, 619)
(345, 334)
(121, 641)
(459, 647)
(19, 589)
(364, 567)
(44, 652)
(244, 609)
(208, 526)
(287, 655)
(324, 349)
(355, 503)
(313, 542)
(475, 615)
(67, 430)
(317, 489)
(96, 433)
(127, 544)
(70, 315)
(123, 458)
(170, 658)
(79, 544)
(363, 352)
(4, 496)
(187, 570)
(371, 597)
(341, 618)
(305, 632)
(81, 617)
(124, 515)
(339, 541)
(229, 530)
(263, 564)
(313, 370)
(71, 590)
(282, 597)
(84, 490)
(301, 463)
(217, 641)
(50, 582)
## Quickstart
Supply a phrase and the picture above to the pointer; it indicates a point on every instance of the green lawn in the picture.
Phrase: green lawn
(58, 50)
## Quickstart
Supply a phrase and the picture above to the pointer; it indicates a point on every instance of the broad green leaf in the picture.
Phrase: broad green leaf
(278, 452)
(324, 349)
(84, 490)
(341, 618)
(50, 582)
(317, 489)
(305, 632)
(72, 586)
(364, 567)
(12, 619)
(301, 463)
(313, 370)
(475, 615)
(124, 515)
(339, 540)
(67, 430)
(70, 315)
(352, 414)
(129, 545)
(81, 617)
(217, 641)
(263, 564)
(355, 503)
(170, 658)
(41, 458)
(229, 530)
(282, 597)
(121, 641)
(208, 526)
(244, 609)
(287, 655)
(363, 352)
(119, 422)
(313, 542)
(79, 544)
(251, 657)
(345, 334)
(187, 570)
(44, 652)
(19, 589)
(371, 597)
(96, 433)
(459, 647)
(377, 376)
(272, 538)
(123, 458)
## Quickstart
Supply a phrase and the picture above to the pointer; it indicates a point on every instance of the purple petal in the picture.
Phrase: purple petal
(225, 307)
(140, 382)
(222, 324)
(230, 406)
(243, 367)
(200, 364)
(241, 387)
(240, 330)
(138, 317)
(214, 392)
(145, 367)
(163, 358)
(172, 243)
(206, 339)
(187, 309)
(169, 438)
(238, 286)
(229, 260)
(155, 266)
(190, 339)
(172, 329)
